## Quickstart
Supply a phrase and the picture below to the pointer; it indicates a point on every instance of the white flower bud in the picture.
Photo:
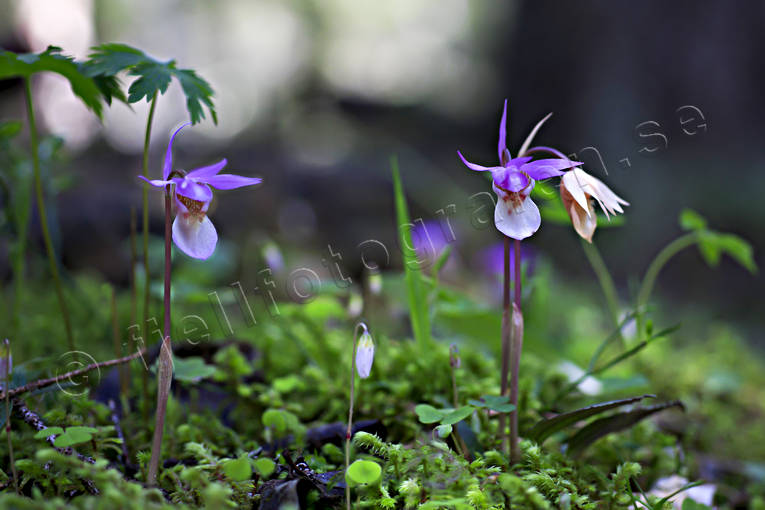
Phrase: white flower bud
(365, 355)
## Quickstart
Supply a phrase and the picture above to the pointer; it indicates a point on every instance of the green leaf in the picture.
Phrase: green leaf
(363, 472)
(191, 369)
(274, 418)
(547, 427)
(614, 423)
(110, 59)
(442, 259)
(418, 307)
(13, 65)
(198, 93)
(154, 77)
(428, 414)
(691, 504)
(238, 470)
(444, 431)
(110, 88)
(47, 432)
(74, 436)
(10, 128)
(457, 415)
(494, 402)
(691, 220)
(713, 244)
(264, 467)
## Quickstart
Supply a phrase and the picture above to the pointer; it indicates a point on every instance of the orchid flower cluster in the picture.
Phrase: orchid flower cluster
(516, 215)
(193, 232)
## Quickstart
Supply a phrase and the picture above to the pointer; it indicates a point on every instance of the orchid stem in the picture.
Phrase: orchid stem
(515, 354)
(505, 342)
(165, 365)
(43, 216)
(145, 227)
(604, 278)
(656, 266)
(350, 410)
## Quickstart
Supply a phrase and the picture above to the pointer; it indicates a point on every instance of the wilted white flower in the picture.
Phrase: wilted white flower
(365, 354)
(576, 189)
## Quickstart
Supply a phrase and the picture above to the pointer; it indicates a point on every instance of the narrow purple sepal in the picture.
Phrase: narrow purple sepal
(230, 181)
(546, 168)
(502, 145)
(477, 168)
(207, 171)
(168, 166)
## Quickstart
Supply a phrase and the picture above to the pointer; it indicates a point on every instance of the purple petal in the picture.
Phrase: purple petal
(230, 181)
(156, 182)
(169, 154)
(502, 133)
(193, 190)
(550, 150)
(207, 171)
(517, 163)
(510, 179)
(477, 168)
(546, 168)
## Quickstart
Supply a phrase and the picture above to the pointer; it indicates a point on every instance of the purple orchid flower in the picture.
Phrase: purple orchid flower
(516, 215)
(193, 232)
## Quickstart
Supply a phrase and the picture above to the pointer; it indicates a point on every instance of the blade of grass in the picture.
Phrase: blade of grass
(547, 427)
(592, 370)
(418, 308)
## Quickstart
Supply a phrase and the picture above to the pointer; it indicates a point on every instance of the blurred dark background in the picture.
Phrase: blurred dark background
(315, 96)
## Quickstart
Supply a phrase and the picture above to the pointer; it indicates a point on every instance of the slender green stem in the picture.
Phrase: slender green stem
(18, 253)
(118, 344)
(133, 284)
(145, 227)
(43, 215)
(604, 278)
(8, 368)
(656, 266)
(348, 431)
(165, 366)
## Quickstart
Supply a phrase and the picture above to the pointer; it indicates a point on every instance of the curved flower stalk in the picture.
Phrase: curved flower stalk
(363, 356)
(516, 215)
(193, 232)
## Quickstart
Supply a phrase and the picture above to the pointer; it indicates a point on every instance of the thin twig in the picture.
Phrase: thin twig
(42, 383)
